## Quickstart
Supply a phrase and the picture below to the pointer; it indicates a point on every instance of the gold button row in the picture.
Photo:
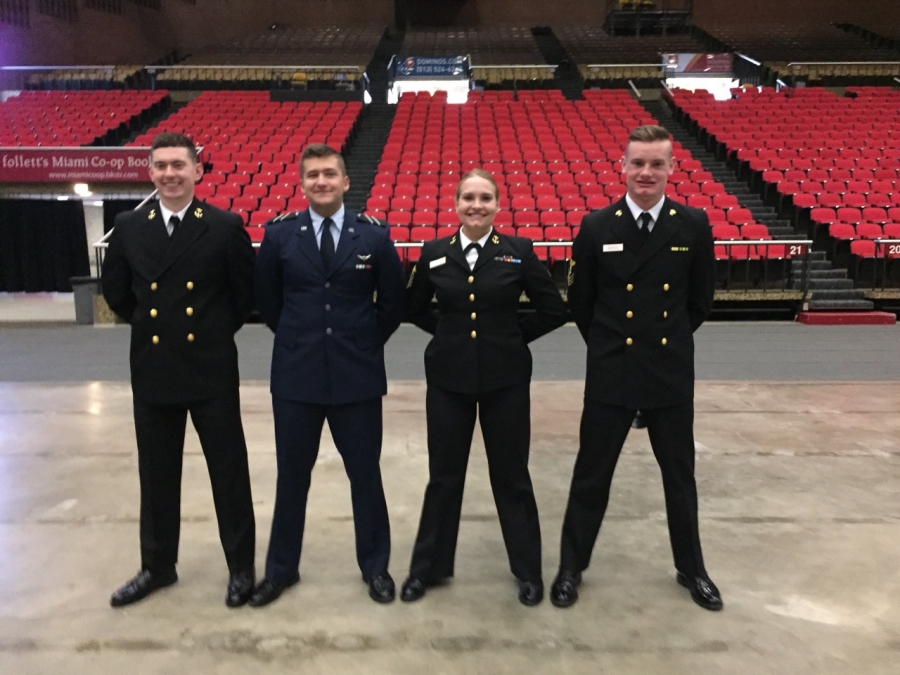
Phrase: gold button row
(190, 286)
(189, 311)
(155, 338)
(629, 341)
(474, 334)
(630, 287)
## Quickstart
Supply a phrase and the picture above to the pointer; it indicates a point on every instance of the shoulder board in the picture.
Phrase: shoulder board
(285, 216)
(366, 218)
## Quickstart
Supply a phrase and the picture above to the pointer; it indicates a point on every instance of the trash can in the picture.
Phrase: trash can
(85, 289)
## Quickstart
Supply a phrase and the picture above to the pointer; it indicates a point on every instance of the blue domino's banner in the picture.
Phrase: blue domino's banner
(432, 66)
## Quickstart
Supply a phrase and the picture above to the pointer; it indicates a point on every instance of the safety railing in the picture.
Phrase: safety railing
(886, 252)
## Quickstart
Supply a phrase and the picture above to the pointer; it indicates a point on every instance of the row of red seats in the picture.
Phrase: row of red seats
(72, 118)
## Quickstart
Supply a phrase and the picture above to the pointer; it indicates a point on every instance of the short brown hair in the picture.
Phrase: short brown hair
(477, 173)
(319, 151)
(649, 133)
(169, 139)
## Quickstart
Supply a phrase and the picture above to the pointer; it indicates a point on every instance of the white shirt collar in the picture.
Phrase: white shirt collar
(636, 210)
(337, 218)
(166, 213)
(465, 241)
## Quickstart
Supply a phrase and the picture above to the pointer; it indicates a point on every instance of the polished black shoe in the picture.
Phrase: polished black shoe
(142, 585)
(703, 591)
(530, 593)
(564, 591)
(638, 422)
(413, 589)
(240, 588)
(381, 588)
(269, 591)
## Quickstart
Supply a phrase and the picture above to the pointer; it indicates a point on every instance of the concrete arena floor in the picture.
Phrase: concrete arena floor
(799, 490)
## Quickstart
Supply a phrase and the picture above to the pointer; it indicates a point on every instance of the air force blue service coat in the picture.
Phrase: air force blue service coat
(330, 324)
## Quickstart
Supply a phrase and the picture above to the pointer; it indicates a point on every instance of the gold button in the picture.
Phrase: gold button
(190, 285)
(472, 298)
(471, 280)
(629, 287)
(189, 311)
(156, 339)
(153, 286)
(473, 316)
(190, 337)
(153, 313)
(665, 315)
(664, 341)
(665, 287)
(629, 341)
(629, 314)
(473, 334)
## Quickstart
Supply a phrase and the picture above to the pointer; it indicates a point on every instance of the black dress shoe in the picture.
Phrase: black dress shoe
(530, 593)
(240, 588)
(381, 588)
(413, 589)
(638, 422)
(142, 585)
(703, 591)
(564, 591)
(269, 591)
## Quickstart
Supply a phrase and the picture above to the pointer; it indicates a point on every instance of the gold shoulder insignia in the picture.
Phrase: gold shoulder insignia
(672, 212)
(570, 278)
(152, 214)
(411, 276)
(198, 213)
(453, 240)
(495, 239)
(619, 213)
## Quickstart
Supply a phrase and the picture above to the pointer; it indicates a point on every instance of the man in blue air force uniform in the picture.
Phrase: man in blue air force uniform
(331, 287)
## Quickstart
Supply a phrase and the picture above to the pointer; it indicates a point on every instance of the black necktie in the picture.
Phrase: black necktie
(644, 223)
(174, 222)
(326, 245)
(473, 246)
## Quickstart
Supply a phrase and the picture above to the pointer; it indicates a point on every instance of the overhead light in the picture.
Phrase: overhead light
(82, 190)
(62, 198)
(97, 203)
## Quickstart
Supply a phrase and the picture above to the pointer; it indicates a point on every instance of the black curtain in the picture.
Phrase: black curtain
(113, 207)
(42, 245)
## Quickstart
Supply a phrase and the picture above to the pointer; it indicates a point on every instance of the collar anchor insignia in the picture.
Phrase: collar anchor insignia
(198, 213)
(495, 239)
(152, 214)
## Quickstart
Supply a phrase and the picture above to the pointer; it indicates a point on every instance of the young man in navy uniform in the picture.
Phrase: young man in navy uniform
(181, 273)
(331, 287)
(641, 281)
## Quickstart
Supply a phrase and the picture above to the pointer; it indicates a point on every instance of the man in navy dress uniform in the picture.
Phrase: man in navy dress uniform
(331, 286)
(641, 281)
(181, 273)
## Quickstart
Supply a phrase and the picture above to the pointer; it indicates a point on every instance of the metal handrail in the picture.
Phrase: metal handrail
(843, 63)
(153, 69)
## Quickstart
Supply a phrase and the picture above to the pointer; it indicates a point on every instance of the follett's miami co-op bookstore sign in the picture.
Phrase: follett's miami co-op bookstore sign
(66, 165)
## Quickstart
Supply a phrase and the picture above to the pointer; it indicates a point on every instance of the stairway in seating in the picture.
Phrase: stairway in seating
(365, 148)
(567, 77)
(830, 289)
(364, 152)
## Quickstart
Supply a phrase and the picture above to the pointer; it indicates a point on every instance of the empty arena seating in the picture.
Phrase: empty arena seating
(778, 44)
(112, 77)
(602, 57)
(254, 146)
(554, 161)
(314, 52)
(487, 46)
(72, 118)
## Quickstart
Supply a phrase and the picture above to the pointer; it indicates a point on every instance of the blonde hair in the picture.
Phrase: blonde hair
(477, 173)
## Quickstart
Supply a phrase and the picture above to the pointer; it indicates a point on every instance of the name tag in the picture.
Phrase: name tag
(613, 248)
(437, 262)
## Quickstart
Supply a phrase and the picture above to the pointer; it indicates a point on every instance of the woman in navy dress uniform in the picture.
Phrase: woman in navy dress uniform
(478, 363)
